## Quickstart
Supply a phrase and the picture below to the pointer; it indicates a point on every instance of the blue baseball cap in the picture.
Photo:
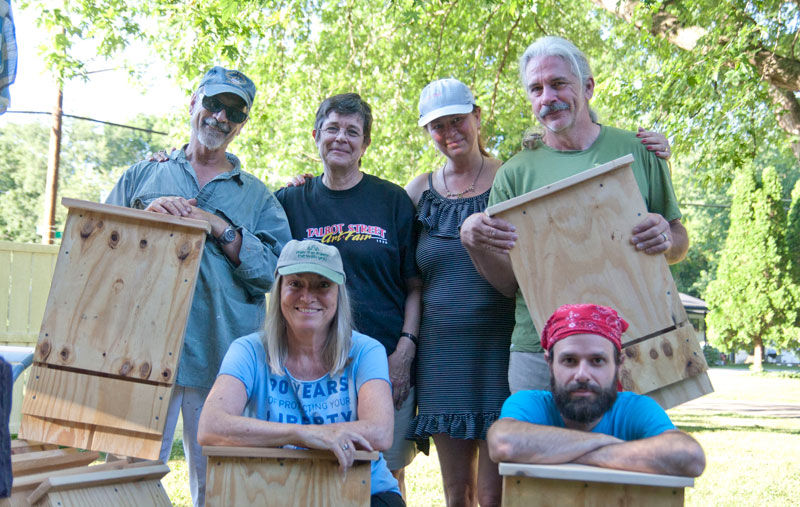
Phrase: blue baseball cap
(444, 97)
(220, 80)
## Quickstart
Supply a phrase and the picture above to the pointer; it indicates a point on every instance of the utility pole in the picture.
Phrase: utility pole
(51, 186)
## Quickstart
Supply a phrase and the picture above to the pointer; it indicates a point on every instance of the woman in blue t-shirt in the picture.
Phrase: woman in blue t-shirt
(308, 380)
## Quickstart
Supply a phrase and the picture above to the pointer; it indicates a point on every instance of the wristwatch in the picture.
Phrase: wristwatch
(227, 236)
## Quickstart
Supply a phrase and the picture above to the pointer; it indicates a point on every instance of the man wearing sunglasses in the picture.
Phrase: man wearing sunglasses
(248, 231)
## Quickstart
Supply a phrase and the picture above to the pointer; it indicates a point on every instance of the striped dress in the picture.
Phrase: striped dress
(465, 333)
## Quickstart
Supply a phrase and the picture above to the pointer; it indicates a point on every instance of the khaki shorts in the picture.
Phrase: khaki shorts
(402, 452)
(528, 370)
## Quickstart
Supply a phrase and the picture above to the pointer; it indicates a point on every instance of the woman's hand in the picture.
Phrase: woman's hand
(400, 370)
(340, 440)
(655, 142)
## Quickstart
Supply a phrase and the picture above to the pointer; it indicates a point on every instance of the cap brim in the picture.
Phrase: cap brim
(444, 111)
(216, 89)
(337, 278)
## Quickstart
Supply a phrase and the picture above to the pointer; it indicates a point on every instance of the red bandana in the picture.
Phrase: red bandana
(584, 318)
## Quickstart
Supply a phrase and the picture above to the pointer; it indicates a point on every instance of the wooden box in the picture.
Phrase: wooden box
(45, 475)
(247, 476)
(112, 332)
(573, 485)
(574, 247)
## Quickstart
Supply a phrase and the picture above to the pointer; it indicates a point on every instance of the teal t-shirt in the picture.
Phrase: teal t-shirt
(632, 417)
(529, 170)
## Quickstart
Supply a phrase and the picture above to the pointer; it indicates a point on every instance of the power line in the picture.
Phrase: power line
(95, 121)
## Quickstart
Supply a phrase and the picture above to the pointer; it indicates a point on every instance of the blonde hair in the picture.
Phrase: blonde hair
(275, 336)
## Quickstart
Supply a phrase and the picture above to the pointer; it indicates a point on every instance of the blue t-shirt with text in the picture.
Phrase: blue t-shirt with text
(632, 417)
(284, 399)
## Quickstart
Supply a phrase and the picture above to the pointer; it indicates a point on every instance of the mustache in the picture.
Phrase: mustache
(223, 127)
(583, 386)
(553, 108)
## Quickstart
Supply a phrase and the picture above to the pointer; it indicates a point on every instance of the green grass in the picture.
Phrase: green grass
(752, 459)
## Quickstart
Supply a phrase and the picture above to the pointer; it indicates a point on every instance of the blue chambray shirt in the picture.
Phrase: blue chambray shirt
(228, 301)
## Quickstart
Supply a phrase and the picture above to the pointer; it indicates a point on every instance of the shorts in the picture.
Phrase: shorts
(528, 370)
(402, 452)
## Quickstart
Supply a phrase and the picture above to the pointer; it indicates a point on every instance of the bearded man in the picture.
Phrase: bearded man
(583, 419)
(248, 231)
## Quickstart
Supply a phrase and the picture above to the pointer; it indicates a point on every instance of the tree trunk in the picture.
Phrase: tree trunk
(758, 354)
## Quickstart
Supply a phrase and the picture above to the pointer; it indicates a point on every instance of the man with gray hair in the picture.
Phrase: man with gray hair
(559, 84)
(248, 231)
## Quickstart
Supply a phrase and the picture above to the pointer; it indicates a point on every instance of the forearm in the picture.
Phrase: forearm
(520, 442)
(496, 269)
(671, 453)
(231, 250)
(680, 242)
(413, 306)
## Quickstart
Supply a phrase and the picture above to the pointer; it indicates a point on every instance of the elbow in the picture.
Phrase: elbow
(383, 438)
(696, 463)
(500, 448)
(207, 433)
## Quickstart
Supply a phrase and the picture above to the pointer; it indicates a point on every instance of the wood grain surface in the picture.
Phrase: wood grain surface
(286, 482)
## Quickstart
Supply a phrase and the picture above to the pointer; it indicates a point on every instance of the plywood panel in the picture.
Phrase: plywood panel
(127, 487)
(530, 492)
(662, 360)
(86, 436)
(37, 462)
(42, 265)
(93, 400)
(286, 482)
(587, 473)
(680, 392)
(574, 247)
(122, 289)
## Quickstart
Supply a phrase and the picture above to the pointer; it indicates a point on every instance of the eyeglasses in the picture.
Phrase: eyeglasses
(214, 105)
(350, 133)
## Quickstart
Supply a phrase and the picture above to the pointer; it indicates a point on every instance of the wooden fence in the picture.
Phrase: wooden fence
(25, 274)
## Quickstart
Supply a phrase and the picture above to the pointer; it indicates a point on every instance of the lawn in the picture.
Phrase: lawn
(752, 459)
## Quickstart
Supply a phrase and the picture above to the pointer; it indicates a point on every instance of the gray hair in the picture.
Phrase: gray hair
(275, 337)
(564, 49)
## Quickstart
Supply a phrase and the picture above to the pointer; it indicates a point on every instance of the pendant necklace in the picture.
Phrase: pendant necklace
(471, 188)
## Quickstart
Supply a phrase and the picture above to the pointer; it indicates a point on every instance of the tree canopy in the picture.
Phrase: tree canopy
(707, 73)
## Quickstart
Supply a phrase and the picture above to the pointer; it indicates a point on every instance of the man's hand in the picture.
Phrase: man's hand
(655, 142)
(400, 370)
(479, 231)
(299, 180)
(654, 235)
(180, 207)
(159, 156)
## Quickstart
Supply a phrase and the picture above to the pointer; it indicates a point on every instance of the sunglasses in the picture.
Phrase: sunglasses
(214, 105)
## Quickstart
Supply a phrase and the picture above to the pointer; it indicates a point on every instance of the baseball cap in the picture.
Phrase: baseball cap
(220, 80)
(311, 257)
(443, 97)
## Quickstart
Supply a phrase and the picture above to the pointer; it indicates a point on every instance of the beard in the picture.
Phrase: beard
(213, 134)
(584, 410)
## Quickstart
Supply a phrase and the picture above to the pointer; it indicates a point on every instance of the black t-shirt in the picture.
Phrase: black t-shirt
(372, 226)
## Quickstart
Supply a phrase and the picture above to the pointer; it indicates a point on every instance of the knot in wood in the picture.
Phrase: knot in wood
(654, 353)
(87, 228)
(144, 370)
(44, 350)
(65, 354)
(113, 239)
(667, 348)
(142, 243)
(126, 368)
(184, 250)
(166, 374)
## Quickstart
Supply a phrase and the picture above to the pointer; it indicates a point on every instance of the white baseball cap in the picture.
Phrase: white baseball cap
(444, 97)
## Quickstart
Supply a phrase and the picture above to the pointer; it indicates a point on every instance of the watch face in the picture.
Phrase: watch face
(227, 236)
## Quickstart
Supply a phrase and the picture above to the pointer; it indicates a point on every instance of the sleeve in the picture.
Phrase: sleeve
(502, 187)
(662, 195)
(122, 192)
(646, 419)
(531, 407)
(371, 363)
(240, 363)
(407, 239)
(261, 247)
